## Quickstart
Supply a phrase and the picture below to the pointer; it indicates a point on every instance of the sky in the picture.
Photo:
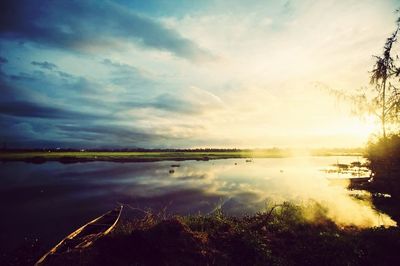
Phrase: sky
(187, 74)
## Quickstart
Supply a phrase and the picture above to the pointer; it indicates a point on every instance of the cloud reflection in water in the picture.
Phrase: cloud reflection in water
(51, 199)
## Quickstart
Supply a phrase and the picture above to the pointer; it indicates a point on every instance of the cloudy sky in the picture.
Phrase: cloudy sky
(186, 73)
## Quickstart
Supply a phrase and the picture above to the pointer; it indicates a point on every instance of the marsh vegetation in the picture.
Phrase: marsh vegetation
(284, 234)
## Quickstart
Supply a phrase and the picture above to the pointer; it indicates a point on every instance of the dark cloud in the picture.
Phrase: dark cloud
(21, 132)
(192, 101)
(174, 103)
(44, 65)
(7, 91)
(43, 106)
(3, 60)
(166, 103)
(36, 110)
(28, 124)
(126, 75)
(120, 68)
(77, 118)
(64, 74)
(109, 133)
(78, 25)
(22, 77)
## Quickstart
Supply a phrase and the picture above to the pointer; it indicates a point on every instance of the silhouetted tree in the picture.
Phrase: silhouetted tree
(385, 75)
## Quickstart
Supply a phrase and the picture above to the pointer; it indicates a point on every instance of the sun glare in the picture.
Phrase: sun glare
(363, 128)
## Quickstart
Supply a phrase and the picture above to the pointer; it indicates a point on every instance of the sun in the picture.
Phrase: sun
(362, 128)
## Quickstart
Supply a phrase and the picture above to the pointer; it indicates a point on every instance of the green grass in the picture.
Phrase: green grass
(132, 156)
(76, 156)
(282, 235)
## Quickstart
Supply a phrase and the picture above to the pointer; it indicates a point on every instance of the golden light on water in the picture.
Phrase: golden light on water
(250, 185)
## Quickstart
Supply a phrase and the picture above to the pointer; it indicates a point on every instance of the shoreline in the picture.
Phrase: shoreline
(131, 157)
(281, 235)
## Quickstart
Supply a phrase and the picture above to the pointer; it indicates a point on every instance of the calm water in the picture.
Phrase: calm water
(50, 200)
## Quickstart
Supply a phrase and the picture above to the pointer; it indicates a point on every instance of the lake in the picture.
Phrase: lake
(48, 201)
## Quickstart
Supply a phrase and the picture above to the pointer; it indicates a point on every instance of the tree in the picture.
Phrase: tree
(385, 76)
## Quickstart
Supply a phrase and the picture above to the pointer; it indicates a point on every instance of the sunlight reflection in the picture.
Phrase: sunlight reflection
(250, 185)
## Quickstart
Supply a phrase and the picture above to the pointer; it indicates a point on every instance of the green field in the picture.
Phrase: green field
(129, 156)
(118, 156)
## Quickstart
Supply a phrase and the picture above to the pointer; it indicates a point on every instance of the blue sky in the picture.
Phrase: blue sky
(186, 73)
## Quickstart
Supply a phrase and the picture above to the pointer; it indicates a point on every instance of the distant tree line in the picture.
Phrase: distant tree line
(124, 150)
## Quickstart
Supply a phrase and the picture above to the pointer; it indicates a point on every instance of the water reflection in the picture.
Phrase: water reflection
(49, 200)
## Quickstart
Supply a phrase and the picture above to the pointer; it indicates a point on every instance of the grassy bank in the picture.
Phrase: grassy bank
(70, 157)
(283, 235)
(151, 156)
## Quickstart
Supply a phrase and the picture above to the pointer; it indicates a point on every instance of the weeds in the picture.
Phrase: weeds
(283, 234)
